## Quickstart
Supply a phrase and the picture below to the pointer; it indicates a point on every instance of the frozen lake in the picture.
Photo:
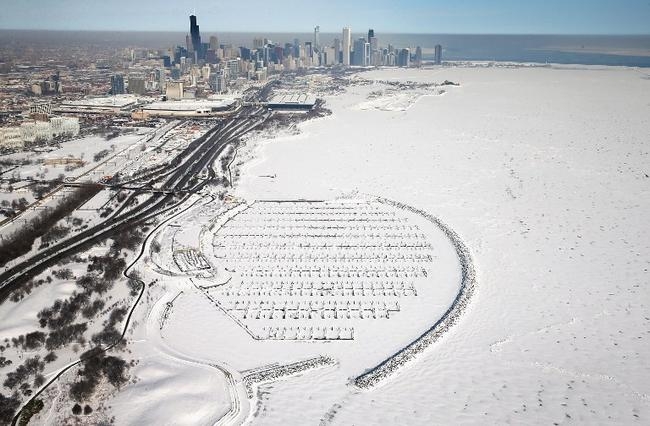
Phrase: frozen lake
(544, 174)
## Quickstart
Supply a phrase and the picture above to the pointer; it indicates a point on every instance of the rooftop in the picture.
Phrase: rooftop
(117, 101)
(293, 99)
(190, 105)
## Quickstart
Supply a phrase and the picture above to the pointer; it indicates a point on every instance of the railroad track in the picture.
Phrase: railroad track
(199, 156)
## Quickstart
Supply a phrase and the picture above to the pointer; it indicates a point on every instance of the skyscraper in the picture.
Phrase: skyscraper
(214, 43)
(347, 41)
(218, 82)
(404, 58)
(418, 56)
(196, 36)
(374, 48)
(337, 51)
(438, 54)
(162, 80)
(374, 44)
(174, 90)
(277, 55)
(317, 38)
(117, 84)
(296, 48)
(361, 54)
(137, 84)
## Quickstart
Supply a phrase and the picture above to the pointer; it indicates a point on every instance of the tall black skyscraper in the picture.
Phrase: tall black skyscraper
(196, 36)
(371, 34)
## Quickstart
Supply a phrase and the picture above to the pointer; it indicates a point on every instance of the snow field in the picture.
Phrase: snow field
(541, 171)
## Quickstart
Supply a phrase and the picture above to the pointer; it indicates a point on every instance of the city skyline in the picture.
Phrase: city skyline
(412, 16)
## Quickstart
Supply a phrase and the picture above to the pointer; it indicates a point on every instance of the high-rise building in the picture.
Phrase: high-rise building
(361, 53)
(330, 57)
(347, 42)
(366, 54)
(390, 57)
(296, 48)
(234, 68)
(278, 54)
(175, 90)
(375, 57)
(218, 82)
(117, 84)
(288, 50)
(161, 80)
(418, 56)
(137, 85)
(211, 56)
(196, 37)
(371, 34)
(245, 53)
(266, 55)
(317, 38)
(337, 51)
(205, 72)
(179, 52)
(214, 43)
(229, 51)
(404, 58)
(438, 54)
(374, 44)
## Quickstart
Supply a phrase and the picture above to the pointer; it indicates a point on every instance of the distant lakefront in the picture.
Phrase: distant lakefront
(617, 50)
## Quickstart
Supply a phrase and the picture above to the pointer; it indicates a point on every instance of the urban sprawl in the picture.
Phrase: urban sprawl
(199, 79)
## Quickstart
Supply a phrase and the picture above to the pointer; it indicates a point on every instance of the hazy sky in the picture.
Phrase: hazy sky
(401, 16)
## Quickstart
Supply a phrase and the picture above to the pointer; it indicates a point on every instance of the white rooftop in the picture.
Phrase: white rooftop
(299, 99)
(117, 101)
(189, 105)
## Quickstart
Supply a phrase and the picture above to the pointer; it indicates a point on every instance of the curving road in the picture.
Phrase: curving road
(239, 407)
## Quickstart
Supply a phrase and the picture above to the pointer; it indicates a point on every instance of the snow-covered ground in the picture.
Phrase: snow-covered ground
(541, 172)
(84, 148)
(544, 174)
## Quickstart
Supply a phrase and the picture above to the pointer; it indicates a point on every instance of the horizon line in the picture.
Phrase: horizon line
(331, 32)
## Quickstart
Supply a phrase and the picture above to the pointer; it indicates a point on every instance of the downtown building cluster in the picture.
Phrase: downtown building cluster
(199, 66)
(366, 52)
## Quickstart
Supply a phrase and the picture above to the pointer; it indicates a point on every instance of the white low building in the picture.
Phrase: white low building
(104, 104)
(36, 130)
(190, 108)
(66, 126)
(11, 138)
(30, 132)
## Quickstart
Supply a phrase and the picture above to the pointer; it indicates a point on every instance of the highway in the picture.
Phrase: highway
(169, 189)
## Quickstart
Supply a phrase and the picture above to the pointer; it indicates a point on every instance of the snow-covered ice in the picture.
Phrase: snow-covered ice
(542, 172)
